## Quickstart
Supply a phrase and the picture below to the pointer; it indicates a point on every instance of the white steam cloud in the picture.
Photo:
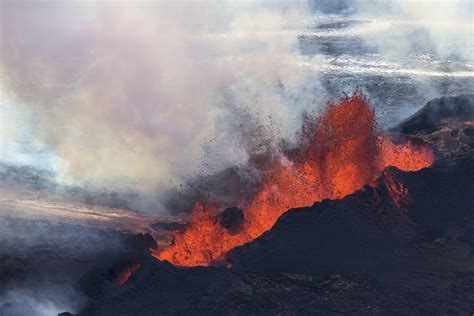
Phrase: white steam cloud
(125, 93)
(443, 28)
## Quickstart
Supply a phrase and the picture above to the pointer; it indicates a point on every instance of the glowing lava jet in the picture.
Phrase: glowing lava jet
(341, 152)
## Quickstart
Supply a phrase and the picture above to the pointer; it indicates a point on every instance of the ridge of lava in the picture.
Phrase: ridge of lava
(338, 153)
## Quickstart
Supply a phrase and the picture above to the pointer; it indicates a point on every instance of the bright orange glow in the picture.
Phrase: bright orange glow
(124, 275)
(341, 156)
(406, 157)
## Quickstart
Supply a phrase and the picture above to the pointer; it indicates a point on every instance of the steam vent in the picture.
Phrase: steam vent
(236, 158)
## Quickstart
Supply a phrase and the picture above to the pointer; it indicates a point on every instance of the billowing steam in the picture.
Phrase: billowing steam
(139, 95)
(125, 94)
(433, 27)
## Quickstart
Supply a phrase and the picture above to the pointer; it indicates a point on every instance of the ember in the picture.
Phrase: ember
(342, 155)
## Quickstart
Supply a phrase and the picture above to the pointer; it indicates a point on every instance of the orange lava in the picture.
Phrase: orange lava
(406, 157)
(340, 156)
(398, 192)
(124, 275)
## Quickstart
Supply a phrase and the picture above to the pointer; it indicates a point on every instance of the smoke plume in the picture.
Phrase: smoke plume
(125, 94)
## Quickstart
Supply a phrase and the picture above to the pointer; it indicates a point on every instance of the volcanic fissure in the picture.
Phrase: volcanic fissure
(338, 153)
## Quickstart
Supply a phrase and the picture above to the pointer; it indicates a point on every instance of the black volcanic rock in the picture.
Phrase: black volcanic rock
(158, 288)
(365, 230)
(469, 132)
(361, 231)
(99, 281)
(138, 243)
(365, 254)
(232, 219)
(431, 116)
(446, 125)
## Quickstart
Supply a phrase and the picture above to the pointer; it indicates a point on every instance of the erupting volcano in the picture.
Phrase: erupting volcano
(338, 154)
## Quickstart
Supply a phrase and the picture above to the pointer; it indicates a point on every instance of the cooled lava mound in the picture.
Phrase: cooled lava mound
(371, 224)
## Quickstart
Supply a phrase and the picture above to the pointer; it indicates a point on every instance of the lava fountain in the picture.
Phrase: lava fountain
(339, 153)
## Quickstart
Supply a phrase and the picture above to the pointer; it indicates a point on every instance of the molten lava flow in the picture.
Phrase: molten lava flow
(341, 153)
(398, 192)
(124, 275)
(406, 157)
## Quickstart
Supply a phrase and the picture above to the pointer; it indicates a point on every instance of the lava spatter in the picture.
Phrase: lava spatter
(342, 153)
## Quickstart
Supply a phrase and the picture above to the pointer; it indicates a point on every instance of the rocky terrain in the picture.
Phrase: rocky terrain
(401, 245)
(366, 254)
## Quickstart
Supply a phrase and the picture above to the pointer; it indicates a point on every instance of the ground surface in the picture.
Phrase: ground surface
(361, 255)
